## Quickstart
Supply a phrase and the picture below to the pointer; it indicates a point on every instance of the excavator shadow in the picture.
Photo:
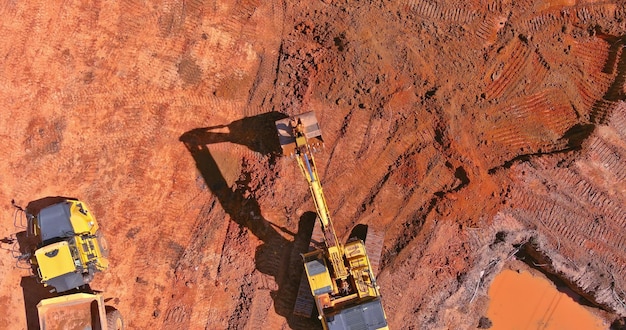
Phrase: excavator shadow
(277, 256)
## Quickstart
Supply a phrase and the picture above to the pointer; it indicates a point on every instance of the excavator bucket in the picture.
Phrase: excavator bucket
(286, 135)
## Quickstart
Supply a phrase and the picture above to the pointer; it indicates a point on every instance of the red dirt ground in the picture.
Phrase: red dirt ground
(468, 134)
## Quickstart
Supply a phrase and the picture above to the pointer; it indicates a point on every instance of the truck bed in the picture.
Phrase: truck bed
(74, 311)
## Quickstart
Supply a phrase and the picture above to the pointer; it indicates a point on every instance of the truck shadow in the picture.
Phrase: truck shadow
(34, 292)
(277, 257)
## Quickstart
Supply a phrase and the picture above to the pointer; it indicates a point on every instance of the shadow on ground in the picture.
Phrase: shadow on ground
(33, 292)
(275, 257)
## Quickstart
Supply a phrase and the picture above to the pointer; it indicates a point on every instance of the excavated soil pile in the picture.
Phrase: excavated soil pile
(466, 133)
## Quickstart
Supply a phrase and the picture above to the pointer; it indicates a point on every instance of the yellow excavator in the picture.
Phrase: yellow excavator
(340, 276)
(68, 250)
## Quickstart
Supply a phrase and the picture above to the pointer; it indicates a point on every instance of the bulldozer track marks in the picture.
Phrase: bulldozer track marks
(590, 13)
(541, 119)
(601, 111)
(537, 23)
(611, 158)
(592, 53)
(437, 12)
(242, 13)
(356, 128)
(559, 221)
(580, 15)
(165, 61)
(132, 13)
(617, 119)
(590, 89)
(488, 28)
(378, 165)
(583, 190)
(507, 69)
(545, 213)
(577, 197)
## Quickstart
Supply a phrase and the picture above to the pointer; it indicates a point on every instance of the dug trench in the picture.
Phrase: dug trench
(532, 255)
(560, 271)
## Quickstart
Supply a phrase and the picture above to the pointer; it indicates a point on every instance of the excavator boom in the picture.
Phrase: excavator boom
(340, 276)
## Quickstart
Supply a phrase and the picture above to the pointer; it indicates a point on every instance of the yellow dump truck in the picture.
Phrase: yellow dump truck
(70, 246)
(339, 275)
(78, 311)
(65, 248)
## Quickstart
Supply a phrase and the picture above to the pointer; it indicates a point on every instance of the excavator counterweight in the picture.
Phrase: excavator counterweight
(340, 276)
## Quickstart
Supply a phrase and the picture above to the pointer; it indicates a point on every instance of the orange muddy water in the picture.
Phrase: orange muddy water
(523, 301)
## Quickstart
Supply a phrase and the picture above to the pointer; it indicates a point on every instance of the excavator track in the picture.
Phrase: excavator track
(374, 247)
(305, 304)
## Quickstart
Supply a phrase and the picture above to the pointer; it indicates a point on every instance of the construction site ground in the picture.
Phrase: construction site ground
(466, 135)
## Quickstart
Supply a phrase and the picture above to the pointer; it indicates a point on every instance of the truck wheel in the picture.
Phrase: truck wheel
(114, 320)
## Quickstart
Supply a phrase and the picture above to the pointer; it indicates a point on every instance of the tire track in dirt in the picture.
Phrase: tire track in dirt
(590, 89)
(603, 109)
(551, 215)
(349, 139)
(174, 89)
(567, 235)
(132, 14)
(200, 260)
(542, 21)
(153, 121)
(533, 18)
(244, 211)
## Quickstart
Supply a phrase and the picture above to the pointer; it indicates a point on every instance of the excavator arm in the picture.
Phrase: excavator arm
(304, 144)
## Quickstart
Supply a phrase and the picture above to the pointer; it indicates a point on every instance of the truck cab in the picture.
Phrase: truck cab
(70, 246)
